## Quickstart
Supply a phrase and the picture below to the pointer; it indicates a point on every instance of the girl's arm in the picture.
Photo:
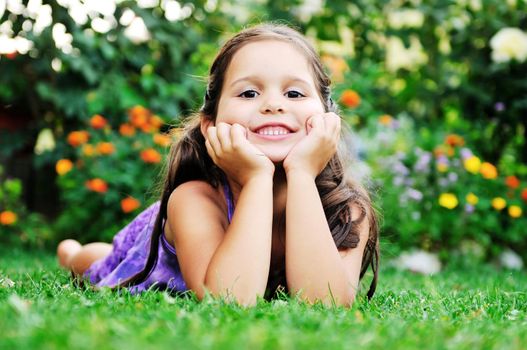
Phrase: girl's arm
(314, 267)
(227, 260)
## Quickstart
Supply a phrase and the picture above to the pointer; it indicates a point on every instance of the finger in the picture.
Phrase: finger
(212, 137)
(333, 124)
(317, 122)
(224, 136)
(238, 135)
(210, 151)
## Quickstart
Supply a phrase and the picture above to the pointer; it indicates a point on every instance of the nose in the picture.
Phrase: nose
(272, 105)
(274, 108)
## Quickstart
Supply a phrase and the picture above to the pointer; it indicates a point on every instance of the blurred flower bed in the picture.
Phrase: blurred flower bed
(438, 194)
(18, 225)
(111, 173)
(435, 92)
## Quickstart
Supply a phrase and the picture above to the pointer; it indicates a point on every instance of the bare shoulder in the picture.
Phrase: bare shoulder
(194, 192)
(195, 202)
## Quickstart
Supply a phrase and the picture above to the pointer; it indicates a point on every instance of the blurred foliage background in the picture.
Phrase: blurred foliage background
(91, 94)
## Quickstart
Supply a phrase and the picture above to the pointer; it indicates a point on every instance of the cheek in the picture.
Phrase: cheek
(231, 112)
(308, 110)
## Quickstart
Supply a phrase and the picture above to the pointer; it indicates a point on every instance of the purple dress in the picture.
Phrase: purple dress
(131, 247)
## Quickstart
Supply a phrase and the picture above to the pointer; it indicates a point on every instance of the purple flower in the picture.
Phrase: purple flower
(400, 168)
(442, 159)
(452, 177)
(414, 194)
(422, 164)
(469, 208)
(499, 106)
(466, 153)
(398, 180)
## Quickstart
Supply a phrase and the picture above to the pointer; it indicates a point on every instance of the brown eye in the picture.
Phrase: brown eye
(294, 94)
(248, 94)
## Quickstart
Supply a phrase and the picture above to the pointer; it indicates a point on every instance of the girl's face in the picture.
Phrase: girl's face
(270, 90)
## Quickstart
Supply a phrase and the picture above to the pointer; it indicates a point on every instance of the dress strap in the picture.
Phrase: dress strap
(227, 192)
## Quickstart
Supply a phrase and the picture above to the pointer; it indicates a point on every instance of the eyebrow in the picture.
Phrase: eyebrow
(251, 78)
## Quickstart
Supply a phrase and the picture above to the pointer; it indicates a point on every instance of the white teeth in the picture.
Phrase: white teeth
(273, 130)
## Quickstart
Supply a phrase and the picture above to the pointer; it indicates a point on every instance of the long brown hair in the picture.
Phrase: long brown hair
(189, 160)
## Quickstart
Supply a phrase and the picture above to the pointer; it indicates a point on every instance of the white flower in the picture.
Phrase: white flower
(45, 141)
(307, 9)
(406, 19)
(398, 56)
(137, 31)
(509, 44)
(510, 260)
(419, 262)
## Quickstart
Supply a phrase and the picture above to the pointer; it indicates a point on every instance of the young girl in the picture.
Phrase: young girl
(256, 197)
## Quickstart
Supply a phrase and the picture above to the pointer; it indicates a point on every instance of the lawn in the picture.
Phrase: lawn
(478, 308)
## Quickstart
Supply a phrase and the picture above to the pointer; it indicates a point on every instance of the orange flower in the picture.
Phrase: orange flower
(77, 138)
(524, 194)
(350, 98)
(97, 185)
(63, 166)
(7, 218)
(439, 151)
(139, 116)
(156, 122)
(454, 140)
(11, 55)
(127, 130)
(488, 171)
(98, 121)
(105, 148)
(512, 182)
(336, 66)
(147, 128)
(162, 140)
(129, 204)
(88, 150)
(386, 120)
(150, 155)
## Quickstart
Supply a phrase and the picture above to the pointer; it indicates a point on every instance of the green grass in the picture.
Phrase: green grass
(480, 308)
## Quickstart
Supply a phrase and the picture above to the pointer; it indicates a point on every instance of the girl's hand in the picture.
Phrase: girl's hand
(313, 152)
(229, 148)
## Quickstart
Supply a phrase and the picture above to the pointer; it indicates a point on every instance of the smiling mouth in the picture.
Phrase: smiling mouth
(273, 131)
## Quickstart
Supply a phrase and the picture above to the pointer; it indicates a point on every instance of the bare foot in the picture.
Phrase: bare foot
(66, 249)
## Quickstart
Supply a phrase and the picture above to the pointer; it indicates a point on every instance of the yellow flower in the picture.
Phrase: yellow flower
(88, 150)
(472, 164)
(488, 171)
(498, 203)
(472, 198)
(63, 166)
(448, 200)
(442, 168)
(515, 211)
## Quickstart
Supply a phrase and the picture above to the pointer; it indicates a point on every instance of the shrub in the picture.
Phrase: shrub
(18, 227)
(437, 193)
(110, 176)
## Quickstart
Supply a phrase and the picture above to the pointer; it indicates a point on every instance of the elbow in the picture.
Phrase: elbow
(240, 296)
(344, 298)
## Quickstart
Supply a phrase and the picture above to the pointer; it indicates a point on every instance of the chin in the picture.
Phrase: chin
(276, 156)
